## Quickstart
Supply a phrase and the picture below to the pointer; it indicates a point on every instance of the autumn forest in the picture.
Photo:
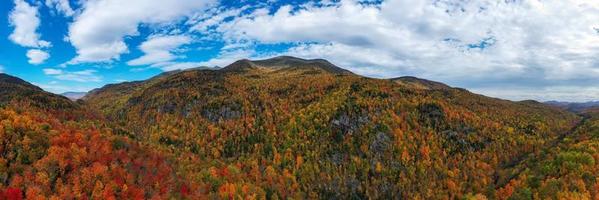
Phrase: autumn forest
(290, 128)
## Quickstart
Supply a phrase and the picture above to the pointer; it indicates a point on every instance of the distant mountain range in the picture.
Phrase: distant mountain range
(74, 95)
(574, 107)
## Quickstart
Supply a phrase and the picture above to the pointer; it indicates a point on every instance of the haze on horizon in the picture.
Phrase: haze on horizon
(518, 49)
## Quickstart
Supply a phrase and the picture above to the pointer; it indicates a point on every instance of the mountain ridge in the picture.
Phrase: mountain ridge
(295, 131)
(420, 83)
(285, 62)
(14, 90)
(576, 107)
(255, 112)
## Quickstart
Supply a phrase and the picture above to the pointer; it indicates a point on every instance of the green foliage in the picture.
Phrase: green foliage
(566, 170)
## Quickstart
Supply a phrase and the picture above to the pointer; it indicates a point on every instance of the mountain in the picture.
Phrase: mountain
(52, 148)
(564, 171)
(127, 87)
(14, 90)
(574, 107)
(290, 127)
(413, 82)
(287, 63)
(74, 95)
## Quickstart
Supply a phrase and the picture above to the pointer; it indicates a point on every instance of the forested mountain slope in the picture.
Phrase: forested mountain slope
(293, 128)
(567, 169)
(53, 148)
(16, 90)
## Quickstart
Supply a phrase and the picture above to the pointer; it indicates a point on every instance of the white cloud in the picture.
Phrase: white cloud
(562, 93)
(37, 56)
(62, 6)
(50, 71)
(205, 21)
(1, 69)
(543, 45)
(170, 66)
(88, 75)
(25, 20)
(314, 24)
(467, 43)
(59, 87)
(159, 49)
(369, 62)
(98, 32)
(225, 58)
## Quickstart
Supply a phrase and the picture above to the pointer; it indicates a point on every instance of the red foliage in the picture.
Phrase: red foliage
(185, 191)
(11, 194)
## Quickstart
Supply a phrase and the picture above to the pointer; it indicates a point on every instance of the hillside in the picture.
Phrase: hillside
(574, 107)
(14, 90)
(566, 169)
(53, 148)
(417, 83)
(296, 128)
(299, 100)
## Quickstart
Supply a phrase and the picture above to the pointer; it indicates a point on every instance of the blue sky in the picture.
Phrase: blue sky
(523, 49)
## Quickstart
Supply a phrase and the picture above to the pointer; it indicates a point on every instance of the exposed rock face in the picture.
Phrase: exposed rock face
(460, 140)
(380, 144)
(169, 107)
(347, 124)
(224, 112)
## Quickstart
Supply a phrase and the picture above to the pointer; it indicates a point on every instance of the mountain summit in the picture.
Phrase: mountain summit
(410, 81)
(286, 63)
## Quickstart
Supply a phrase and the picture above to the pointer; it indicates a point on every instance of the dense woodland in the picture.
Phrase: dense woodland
(287, 128)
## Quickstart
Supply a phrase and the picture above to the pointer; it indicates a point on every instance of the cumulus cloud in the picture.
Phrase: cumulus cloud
(171, 66)
(204, 22)
(37, 56)
(562, 93)
(225, 58)
(25, 20)
(160, 49)
(58, 87)
(369, 62)
(98, 32)
(62, 6)
(50, 71)
(528, 47)
(88, 75)
(467, 43)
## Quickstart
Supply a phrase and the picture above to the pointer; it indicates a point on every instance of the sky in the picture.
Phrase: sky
(511, 49)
